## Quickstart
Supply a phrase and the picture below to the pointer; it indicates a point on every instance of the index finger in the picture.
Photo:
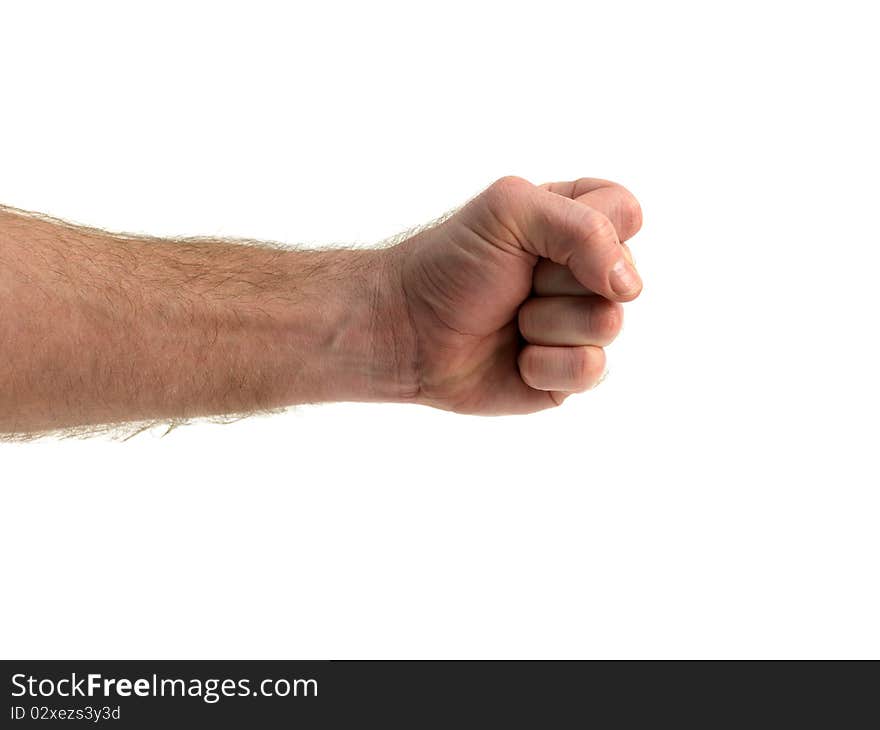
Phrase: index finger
(614, 200)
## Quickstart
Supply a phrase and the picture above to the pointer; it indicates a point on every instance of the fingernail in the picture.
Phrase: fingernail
(602, 379)
(624, 279)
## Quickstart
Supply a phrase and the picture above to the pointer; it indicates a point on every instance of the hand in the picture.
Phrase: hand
(512, 299)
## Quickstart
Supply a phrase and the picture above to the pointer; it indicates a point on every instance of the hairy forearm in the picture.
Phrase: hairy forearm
(99, 328)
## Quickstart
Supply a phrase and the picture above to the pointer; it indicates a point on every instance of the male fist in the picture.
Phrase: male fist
(512, 299)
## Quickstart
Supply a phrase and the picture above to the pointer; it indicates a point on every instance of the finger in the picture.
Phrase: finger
(614, 200)
(573, 321)
(583, 239)
(552, 279)
(563, 369)
(567, 232)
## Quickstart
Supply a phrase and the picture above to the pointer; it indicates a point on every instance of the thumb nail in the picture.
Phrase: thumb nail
(623, 278)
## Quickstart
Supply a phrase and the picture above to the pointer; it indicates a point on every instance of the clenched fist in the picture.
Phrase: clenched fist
(512, 299)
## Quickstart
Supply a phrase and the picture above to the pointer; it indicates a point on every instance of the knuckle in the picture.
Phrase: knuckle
(578, 368)
(526, 318)
(506, 192)
(602, 230)
(505, 200)
(587, 365)
(584, 183)
(510, 185)
(606, 319)
(526, 363)
(631, 213)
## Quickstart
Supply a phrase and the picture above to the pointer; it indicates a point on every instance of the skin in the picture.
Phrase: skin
(503, 308)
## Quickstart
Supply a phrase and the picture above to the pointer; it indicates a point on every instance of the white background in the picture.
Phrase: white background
(717, 496)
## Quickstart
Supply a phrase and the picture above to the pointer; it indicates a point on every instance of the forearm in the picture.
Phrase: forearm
(98, 328)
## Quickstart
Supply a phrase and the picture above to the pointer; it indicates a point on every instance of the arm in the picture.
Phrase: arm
(100, 328)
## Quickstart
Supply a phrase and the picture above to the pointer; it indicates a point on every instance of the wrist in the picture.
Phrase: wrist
(348, 332)
(392, 348)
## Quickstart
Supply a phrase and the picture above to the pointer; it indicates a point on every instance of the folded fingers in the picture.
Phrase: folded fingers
(570, 320)
(561, 369)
